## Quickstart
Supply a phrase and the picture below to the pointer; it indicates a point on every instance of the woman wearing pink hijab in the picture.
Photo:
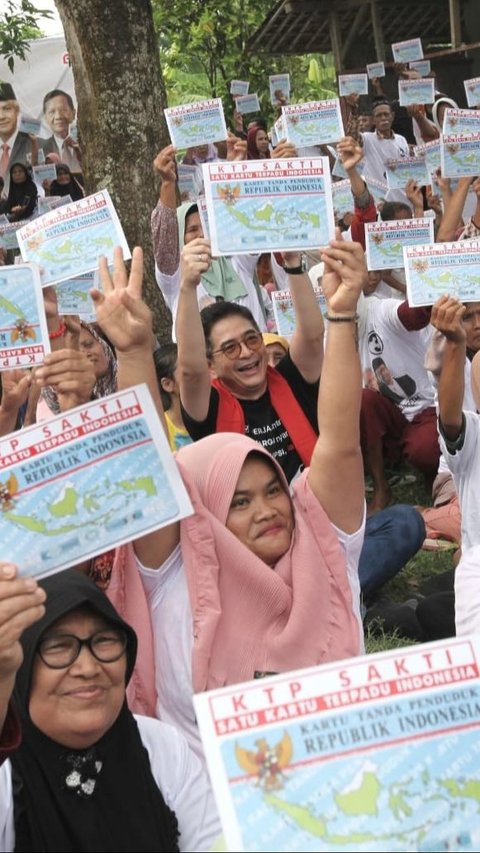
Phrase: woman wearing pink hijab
(256, 580)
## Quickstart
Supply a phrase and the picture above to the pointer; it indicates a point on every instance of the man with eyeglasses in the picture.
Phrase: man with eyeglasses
(225, 382)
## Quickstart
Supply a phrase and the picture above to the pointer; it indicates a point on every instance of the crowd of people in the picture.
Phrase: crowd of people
(282, 559)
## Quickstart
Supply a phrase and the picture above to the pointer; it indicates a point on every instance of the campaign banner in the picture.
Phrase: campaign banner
(460, 155)
(28, 124)
(385, 240)
(416, 91)
(400, 172)
(352, 84)
(87, 481)
(373, 753)
(407, 51)
(24, 340)
(313, 123)
(68, 241)
(269, 205)
(245, 104)
(431, 152)
(432, 271)
(422, 67)
(375, 69)
(239, 87)
(196, 124)
(343, 201)
(46, 172)
(284, 310)
(73, 295)
(472, 91)
(461, 121)
(203, 214)
(279, 87)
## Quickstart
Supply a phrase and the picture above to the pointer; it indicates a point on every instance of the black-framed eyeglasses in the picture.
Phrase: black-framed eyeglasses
(233, 349)
(61, 650)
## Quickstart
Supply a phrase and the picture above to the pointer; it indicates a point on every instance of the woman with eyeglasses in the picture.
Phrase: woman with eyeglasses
(83, 773)
(256, 580)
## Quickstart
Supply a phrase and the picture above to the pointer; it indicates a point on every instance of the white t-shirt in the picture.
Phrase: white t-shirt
(244, 266)
(377, 151)
(167, 594)
(465, 467)
(384, 339)
(179, 775)
(467, 593)
(468, 406)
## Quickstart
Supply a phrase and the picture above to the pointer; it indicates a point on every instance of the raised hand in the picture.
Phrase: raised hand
(15, 388)
(71, 374)
(345, 275)
(195, 259)
(236, 148)
(350, 152)
(447, 317)
(165, 164)
(120, 311)
(284, 149)
(414, 194)
(21, 604)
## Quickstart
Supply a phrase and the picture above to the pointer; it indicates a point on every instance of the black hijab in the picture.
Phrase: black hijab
(24, 194)
(99, 799)
(73, 188)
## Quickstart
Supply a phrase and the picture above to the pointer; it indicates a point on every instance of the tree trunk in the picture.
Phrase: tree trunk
(120, 92)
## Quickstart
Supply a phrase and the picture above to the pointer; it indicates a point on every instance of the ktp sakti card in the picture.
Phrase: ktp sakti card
(407, 51)
(453, 268)
(472, 91)
(24, 340)
(385, 240)
(46, 172)
(247, 104)
(422, 67)
(461, 121)
(73, 295)
(313, 123)
(28, 124)
(239, 87)
(68, 241)
(284, 310)
(460, 155)
(279, 86)
(416, 91)
(196, 124)
(269, 205)
(343, 201)
(375, 69)
(86, 481)
(373, 753)
(399, 172)
(352, 84)
(431, 152)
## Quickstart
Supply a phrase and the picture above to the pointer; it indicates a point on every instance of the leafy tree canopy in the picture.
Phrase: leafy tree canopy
(18, 26)
(203, 46)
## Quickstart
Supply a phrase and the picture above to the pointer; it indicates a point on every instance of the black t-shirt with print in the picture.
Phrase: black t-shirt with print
(261, 420)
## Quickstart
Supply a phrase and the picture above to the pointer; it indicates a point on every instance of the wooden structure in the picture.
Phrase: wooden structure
(359, 31)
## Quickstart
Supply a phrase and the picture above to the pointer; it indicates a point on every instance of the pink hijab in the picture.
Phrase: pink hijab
(247, 617)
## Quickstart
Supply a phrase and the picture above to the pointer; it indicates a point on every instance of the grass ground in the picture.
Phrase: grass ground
(410, 581)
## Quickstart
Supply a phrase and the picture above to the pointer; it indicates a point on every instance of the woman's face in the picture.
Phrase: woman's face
(261, 514)
(63, 177)
(77, 705)
(261, 141)
(94, 352)
(275, 353)
(19, 175)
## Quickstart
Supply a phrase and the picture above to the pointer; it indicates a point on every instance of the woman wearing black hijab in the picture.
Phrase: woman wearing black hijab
(22, 194)
(66, 184)
(88, 775)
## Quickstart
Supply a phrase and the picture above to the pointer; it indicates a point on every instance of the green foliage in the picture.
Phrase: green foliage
(18, 26)
(203, 46)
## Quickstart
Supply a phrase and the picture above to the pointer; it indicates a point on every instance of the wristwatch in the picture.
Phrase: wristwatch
(302, 267)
